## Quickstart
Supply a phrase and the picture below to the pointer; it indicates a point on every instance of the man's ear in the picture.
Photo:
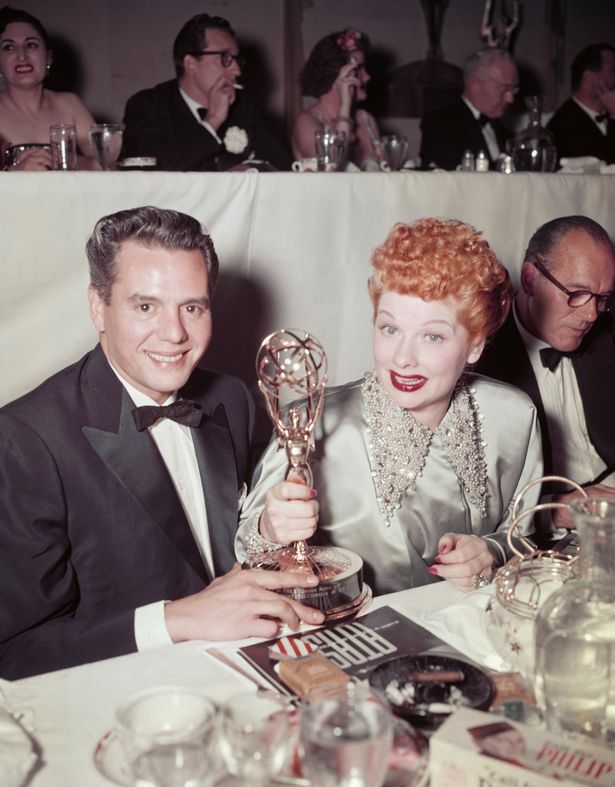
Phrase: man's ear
(528, 277)
(188, 63)
(97, 308)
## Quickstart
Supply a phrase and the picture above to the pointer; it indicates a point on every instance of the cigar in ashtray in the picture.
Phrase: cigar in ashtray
(436, 676)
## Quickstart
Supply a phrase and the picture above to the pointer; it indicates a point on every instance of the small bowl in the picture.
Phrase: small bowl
(411, 685)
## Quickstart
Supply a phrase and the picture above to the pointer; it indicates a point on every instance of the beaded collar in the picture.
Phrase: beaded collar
(399, 445)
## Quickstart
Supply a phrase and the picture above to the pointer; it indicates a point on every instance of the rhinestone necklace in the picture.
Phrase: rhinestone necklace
(399, 445)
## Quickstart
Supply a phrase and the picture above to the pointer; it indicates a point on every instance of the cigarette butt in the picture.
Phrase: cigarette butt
(437, 676)
(237, 86)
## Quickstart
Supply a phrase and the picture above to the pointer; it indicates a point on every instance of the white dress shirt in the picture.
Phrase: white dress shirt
(572, 452)
(603, 125)
(174, 441)
(488, 132)
(194, 107)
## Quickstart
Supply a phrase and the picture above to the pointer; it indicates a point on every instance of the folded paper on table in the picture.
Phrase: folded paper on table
(463, 626)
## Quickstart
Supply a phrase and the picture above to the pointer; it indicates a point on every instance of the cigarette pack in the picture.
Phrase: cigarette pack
(477, 749)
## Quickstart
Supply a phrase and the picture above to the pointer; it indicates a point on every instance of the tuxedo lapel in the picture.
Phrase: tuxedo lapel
(216, 458)
(133, 458)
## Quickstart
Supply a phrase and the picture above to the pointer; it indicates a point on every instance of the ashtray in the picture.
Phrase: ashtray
(425, 690)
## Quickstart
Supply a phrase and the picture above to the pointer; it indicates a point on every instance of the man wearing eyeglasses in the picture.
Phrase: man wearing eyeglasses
(201, 120)
(558, 345)
(473, 122)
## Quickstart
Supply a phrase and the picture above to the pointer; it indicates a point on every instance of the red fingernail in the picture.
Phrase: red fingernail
(313, 494)
(432, 570)
(443, 549)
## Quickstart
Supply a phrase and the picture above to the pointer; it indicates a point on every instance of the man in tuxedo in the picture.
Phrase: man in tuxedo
(122, 475)
(473, 122)
(201, 120)
(584, 125)
(558, 345)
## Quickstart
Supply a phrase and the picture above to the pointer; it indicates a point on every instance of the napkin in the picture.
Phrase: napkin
(581, 165)
(18, 755)
(463, 625)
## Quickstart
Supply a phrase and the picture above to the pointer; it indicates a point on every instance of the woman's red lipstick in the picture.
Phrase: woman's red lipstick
(409, 383)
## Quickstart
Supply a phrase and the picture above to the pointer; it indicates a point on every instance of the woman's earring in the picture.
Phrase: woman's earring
(47, 69)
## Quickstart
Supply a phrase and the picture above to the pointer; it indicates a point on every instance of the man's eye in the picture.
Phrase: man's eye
(144, 308)
(195, 309)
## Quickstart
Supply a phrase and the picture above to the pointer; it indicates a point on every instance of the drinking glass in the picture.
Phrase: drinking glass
(346, 737)
(106, 142)
(166, 734)
(255, 737)
(394, 149)
(330, 150)
(63, 141)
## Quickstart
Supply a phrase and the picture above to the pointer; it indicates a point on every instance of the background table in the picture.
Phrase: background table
(73, 708)
(294, 250)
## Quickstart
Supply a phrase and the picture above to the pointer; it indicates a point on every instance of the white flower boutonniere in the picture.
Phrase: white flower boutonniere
(235, 140)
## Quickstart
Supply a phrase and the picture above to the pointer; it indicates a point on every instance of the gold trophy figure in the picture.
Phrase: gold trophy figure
(295, 362)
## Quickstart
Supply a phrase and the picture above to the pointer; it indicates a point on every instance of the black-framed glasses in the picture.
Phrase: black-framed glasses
(577, 298)
(227, 58)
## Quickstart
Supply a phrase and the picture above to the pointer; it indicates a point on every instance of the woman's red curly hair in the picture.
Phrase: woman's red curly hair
(435, 259)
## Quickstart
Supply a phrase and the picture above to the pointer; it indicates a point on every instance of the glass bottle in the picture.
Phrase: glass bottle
(534, 148)
(575, 633)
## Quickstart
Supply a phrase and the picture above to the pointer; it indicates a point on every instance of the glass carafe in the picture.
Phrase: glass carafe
(575, 633)
(534, 148)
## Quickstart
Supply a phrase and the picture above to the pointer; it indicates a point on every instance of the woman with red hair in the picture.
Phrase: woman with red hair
(416, 465)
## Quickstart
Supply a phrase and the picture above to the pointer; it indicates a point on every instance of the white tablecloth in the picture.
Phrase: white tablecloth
(294, 250)
(70, 710)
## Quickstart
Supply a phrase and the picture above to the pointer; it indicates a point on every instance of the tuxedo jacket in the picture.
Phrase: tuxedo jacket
(448, 132)
(90, 524)
(594, 365)
(158, 122)
(576, 134)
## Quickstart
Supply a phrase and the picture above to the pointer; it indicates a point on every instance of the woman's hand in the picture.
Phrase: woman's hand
(461, 559)
(290, 513)
(33, 160)
(346, 84)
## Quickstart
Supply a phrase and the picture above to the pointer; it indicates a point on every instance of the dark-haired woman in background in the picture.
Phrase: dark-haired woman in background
(27, 108)
(335, 75)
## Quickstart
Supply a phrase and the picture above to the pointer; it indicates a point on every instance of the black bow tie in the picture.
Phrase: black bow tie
(602, 117)
(551, 357)
(202, 112)
(483, 120)
(183, 411)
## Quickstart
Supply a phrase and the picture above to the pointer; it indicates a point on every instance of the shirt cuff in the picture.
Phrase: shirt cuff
(150, 627)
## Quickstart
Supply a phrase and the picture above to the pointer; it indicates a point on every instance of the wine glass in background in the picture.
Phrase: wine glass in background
(346, 737)
(106, 142)
(257, 737)
(394, 149)
(167, 734)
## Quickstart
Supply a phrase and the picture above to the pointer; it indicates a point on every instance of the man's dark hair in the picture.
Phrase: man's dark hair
(9, 15)
(152, 227)
(191, 38)
(588, 59)
(325, 60)
(549, 235)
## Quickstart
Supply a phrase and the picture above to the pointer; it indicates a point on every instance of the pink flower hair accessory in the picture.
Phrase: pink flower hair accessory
(349, 39)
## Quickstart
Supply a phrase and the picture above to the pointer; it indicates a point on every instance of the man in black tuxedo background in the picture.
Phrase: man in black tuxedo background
(558, 345)
(121, 475)
(473, 122)
(584, 125)
(201, 120)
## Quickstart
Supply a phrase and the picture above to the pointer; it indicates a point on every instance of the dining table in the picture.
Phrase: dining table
(70, 712)
(294, 250)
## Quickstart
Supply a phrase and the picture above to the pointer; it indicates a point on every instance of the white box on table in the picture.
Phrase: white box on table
(528, 756)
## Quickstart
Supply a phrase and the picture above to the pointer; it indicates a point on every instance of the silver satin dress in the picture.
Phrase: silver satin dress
(396, 556)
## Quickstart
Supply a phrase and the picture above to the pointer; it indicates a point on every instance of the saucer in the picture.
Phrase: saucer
(109, 759)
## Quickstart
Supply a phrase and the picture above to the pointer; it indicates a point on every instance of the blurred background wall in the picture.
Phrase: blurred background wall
(106, 50)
